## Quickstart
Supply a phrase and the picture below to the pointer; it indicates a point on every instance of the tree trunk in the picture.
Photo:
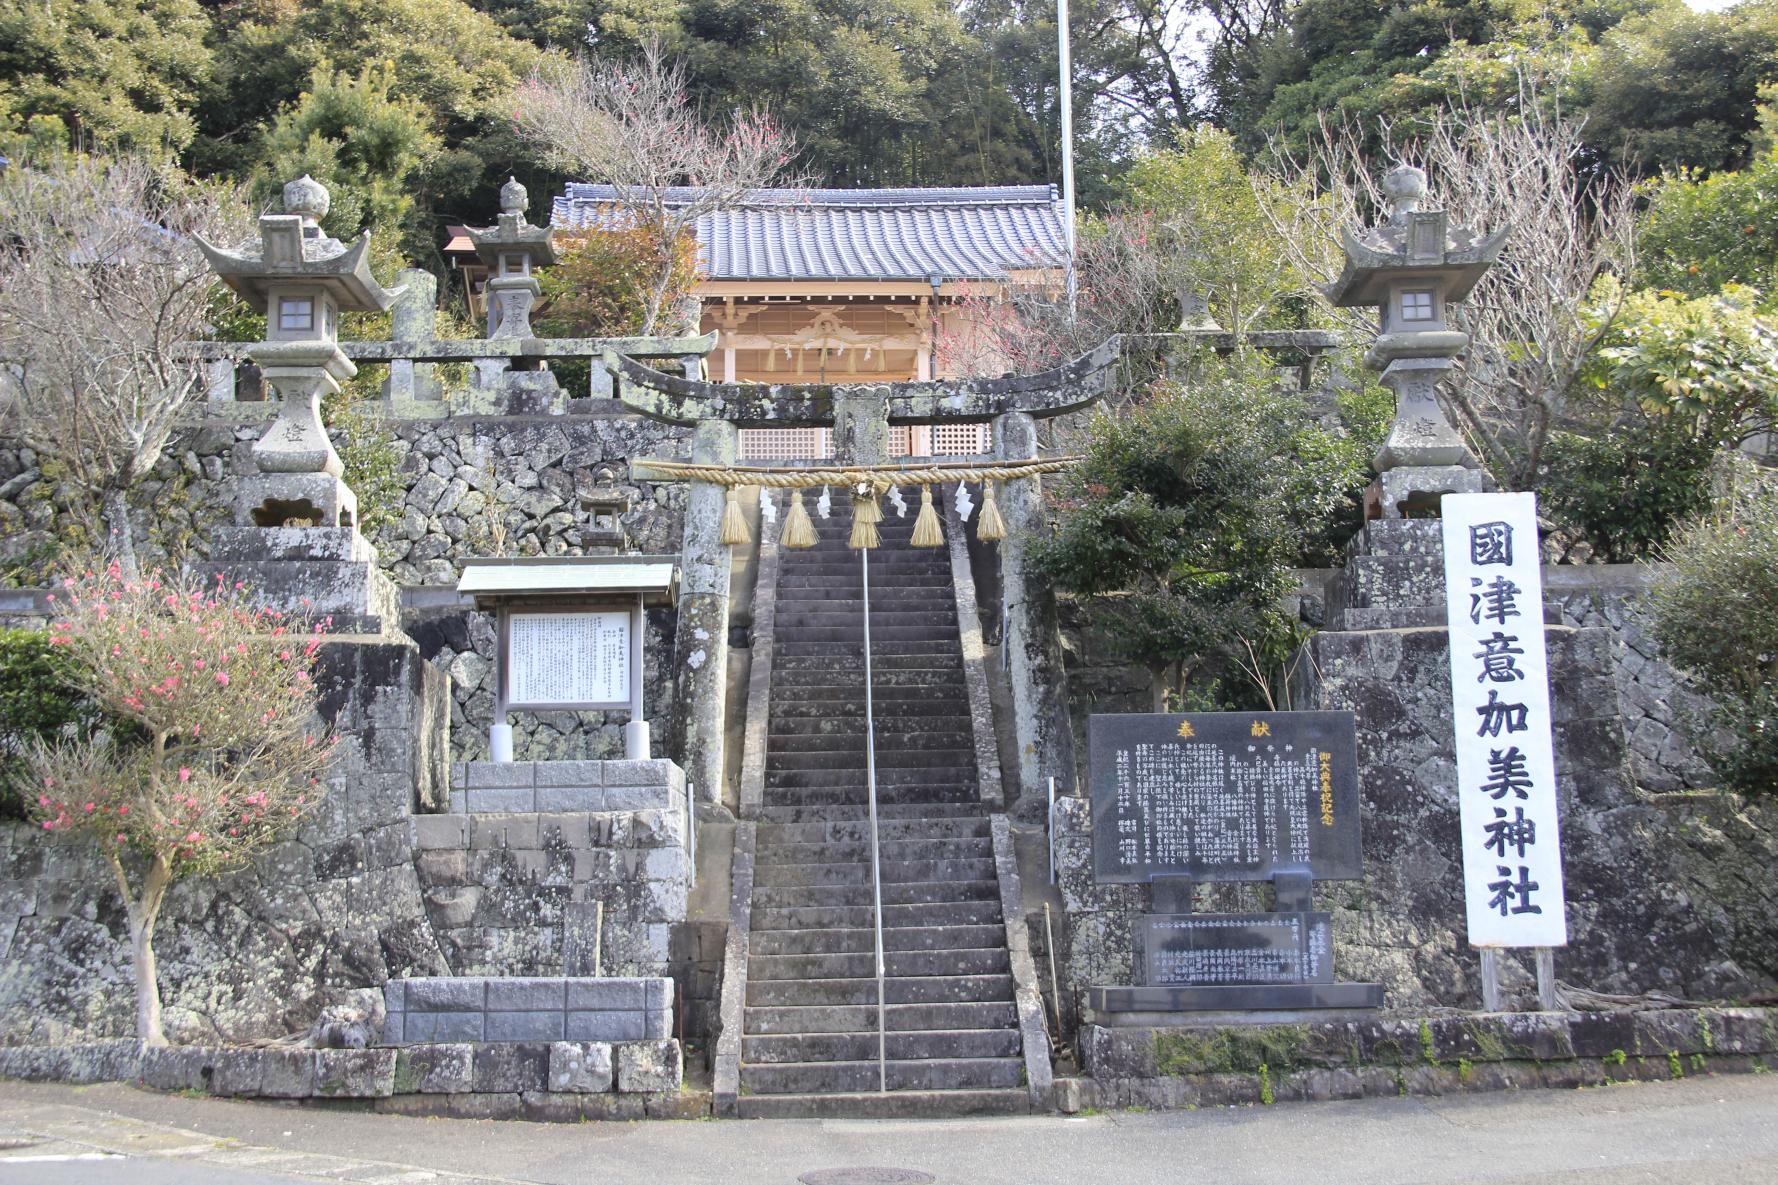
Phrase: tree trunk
(120, 541)
(144, 912)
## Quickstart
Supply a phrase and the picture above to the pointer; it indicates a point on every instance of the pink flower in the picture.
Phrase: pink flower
(123, 810)
(89, 808)
(195, 837)
(184, 774)
(49, 825)
(222, 678)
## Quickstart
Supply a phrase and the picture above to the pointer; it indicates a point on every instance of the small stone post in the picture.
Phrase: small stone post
(414, 320)
(700, 647)
(1030, 635)
(861, 428)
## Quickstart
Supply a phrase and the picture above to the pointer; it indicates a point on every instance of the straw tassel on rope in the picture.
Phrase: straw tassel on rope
(990, 527)
(866, 514)
(799, 531)
(734, 523)
(926, 528)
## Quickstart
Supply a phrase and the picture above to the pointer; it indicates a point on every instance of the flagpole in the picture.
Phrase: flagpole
(1065, 66)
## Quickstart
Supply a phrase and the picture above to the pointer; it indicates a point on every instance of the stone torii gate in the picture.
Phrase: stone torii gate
(861, 415)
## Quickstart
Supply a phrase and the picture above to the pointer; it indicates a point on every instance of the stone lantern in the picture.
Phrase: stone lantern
(1413, 268)
(513, 250)
(302, 280)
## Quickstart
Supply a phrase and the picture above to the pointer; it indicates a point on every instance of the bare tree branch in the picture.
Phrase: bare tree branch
(632, 125)
(100, 285)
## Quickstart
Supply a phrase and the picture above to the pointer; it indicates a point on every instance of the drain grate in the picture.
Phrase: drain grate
(866, 1176)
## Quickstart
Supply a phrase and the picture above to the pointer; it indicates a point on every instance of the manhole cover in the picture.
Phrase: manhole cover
(866, 1177)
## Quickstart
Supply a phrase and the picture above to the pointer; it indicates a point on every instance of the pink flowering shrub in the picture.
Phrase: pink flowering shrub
(226, 754)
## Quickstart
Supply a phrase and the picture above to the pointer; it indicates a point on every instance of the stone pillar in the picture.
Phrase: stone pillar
(219, 381)
(861, 429)
(700, 648)
(415, 320)
(1030, 635)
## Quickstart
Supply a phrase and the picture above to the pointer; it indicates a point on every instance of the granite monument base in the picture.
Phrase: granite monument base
(326, 574)
(1270, 1003)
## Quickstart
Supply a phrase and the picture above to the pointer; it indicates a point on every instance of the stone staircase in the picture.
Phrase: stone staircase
(809, 1044)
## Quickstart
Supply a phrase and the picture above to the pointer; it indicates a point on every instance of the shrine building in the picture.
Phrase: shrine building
(855, 285)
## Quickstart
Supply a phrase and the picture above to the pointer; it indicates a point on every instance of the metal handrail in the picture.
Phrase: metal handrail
(876, 870)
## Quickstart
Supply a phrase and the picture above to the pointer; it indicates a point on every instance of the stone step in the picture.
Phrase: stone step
(912, 796)
(901, 722)
(789, 813)
(857, 831)
(897, 602)
(906, 989)
(821, 614)
(862, 939)
(917, 916)
(883, 634)
(775, 851)
(895, 1104)
(887, 796)
(839, 1077)
(940, 701)
(899, 964)
(838, 683)
(898, 872)
(894, 893)
(889, 777)
(899, 738)
(920, 1045)
(794, 1020)
(905, 758)
(935, 656)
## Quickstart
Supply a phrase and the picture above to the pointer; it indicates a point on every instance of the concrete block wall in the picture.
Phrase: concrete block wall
(497, 1009)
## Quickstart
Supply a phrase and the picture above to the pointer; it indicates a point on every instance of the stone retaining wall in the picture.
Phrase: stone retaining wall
(468, 486)
(1192, 1066)
(480, 1008)
(561, 1080)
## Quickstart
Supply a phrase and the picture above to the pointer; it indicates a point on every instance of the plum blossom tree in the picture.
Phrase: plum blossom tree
(215, 753)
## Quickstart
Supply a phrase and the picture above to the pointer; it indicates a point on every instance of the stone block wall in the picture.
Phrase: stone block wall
(1207, 1065)
(1662, 715)
(365, 892)
(520, 893)
(560, 1008)
(562, 1081)
(468, 486)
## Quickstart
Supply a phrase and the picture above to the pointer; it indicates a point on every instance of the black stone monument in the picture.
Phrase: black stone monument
(1227, 796)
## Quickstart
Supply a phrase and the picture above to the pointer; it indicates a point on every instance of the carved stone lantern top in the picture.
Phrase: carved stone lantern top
(293, 254)
(1411, 246)
(512, 246)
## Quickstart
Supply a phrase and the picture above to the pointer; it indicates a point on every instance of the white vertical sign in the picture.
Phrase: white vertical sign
(1500, 699)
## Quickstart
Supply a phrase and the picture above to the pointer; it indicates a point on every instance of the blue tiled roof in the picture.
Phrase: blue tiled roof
(864, 234)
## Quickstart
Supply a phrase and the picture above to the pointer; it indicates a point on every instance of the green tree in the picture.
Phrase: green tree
(456, 65)
(116, 73)
(1677, 380)
(1214, 232)
(366, 145)
(1702, 233)
(1716, 617)
(1179, 528)
(1678, 88)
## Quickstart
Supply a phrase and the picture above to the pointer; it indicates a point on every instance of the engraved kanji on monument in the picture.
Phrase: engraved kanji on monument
(1227, 796)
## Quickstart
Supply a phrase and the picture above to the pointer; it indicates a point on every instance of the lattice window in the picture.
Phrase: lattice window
(952, 440)
(786, 444)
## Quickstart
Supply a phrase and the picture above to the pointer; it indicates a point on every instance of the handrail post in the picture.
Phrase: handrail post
(876, 871)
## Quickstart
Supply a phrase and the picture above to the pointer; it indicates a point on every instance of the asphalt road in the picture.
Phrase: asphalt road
(1723, 1131)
